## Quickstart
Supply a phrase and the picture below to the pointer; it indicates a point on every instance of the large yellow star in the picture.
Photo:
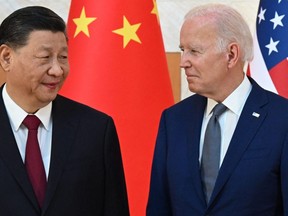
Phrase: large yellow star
(82, 23)
(128, 32)
(155, 10)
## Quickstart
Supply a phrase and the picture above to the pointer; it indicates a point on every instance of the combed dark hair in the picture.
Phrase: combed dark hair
(16, 28)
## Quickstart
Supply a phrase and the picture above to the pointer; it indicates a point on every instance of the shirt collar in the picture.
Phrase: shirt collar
(210, 105)
(16, 114)
(236, 100)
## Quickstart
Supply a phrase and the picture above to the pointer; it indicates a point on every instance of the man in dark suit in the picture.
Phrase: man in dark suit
(79, 151)
(252, 167)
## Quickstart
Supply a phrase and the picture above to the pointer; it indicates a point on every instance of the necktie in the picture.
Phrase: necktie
(211, 151)
(33, 159)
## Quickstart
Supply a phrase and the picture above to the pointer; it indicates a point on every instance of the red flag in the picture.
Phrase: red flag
(270, 66)
(118, 66)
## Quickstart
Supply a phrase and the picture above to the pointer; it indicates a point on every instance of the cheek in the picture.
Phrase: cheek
(65, 68)
(218, 66)
(66, 71)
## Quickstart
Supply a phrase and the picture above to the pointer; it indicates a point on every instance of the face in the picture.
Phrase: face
(205, 66)
(36, 72)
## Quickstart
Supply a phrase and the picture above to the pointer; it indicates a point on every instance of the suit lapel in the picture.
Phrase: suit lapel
(64, 130)
(11, 157)
(195, 119)
(248, 124)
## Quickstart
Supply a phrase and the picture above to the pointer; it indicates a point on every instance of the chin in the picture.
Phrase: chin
(193, 88)
(48, 98)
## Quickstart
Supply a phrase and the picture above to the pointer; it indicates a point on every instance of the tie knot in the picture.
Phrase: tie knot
(32, 122)
(219, 109)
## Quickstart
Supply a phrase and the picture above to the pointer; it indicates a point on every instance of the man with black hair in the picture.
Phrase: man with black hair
(71, 163)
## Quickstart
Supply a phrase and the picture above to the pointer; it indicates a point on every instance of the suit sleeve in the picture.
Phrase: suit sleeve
(158, 201)
(116, 201)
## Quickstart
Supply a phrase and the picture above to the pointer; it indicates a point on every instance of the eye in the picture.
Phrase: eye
(43, 57)
(181, 48)
(63, 57)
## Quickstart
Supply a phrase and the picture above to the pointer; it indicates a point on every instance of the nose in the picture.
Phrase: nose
(55, 69)
(185, 61)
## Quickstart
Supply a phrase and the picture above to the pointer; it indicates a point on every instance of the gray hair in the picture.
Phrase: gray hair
(231, 27)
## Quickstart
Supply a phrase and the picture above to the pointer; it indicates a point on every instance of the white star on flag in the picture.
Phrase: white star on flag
(277, 20)
(261, 15)
(272, 46)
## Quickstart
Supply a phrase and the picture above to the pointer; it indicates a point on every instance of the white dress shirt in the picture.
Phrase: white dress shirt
(229, 119)
(16, 116)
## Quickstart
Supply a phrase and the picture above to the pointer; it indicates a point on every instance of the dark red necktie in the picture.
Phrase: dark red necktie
(33, 159)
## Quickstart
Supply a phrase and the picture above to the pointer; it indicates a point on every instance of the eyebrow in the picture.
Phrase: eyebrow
(197, 47)
(48, 48)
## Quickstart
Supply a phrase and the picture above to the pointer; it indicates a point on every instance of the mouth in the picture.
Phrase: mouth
(191, 76)
(52, 85)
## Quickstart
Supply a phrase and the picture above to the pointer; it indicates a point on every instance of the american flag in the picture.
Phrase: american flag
(270, 64)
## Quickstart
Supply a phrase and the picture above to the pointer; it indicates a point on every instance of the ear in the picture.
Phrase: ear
(5, 57)
(233, 54)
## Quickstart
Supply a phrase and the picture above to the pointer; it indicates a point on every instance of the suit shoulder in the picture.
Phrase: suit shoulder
(75, 108)
(188, 103)
(277, 100)
(258, 93)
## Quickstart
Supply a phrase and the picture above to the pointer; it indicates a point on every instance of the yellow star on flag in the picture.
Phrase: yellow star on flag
(155, 10)
(128, 32)
(82, 23)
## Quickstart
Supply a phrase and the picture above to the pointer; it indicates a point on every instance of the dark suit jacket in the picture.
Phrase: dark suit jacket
(253, 178)
(86, 174)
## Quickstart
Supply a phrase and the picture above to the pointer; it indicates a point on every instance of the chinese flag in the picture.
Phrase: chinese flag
(118, 66)
(270, 64)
